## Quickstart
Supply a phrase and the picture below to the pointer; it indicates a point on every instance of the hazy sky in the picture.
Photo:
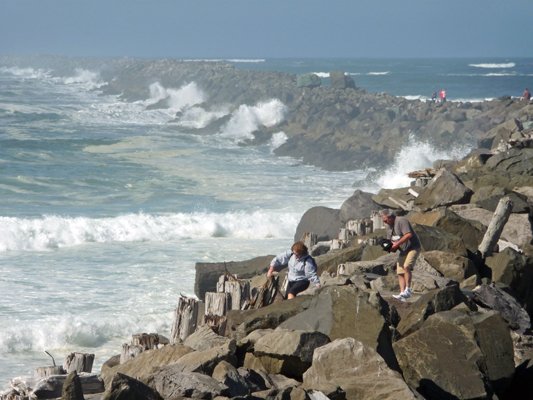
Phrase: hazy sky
(267, 28)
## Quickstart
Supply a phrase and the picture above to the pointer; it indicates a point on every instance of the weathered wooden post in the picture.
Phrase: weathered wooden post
(139, 343)
(78, 362)
(337, 244)
(377, 221)
(238, 290)
(310, 239)
(185, 319)
(42, 372)
(494, 231)
(344, 234)
(369, 226)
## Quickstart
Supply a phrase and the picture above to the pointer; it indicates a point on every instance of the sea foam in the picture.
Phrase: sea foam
(491, 65)
(414, 156)
(51, 231)
(177, 99)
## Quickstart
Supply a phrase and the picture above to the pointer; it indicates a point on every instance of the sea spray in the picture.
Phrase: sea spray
(414, 156)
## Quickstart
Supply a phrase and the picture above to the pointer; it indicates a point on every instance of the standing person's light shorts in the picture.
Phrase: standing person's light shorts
(407, 261)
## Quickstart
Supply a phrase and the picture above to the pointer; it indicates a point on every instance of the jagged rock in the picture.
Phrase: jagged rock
(515, 161)
(362, 373)
(471, 232)
(323, 221)
(346, 311)
(451, 265)
(331, 260)
(145, 362)
(256, 381)
(359, 267)
(338, 80)
(432, 238)
(288, 352)
(371, 253)
(241, 323)
(455, 353)
(204, 338)
(435, 301)
(124, 387)
(207, 274)
(72, 389)
(228, 375)
(511, 311)
(358, 206)
(172, 383)
(308, 80)
(52, 386)
(515, 270)
(487, 197)
(444, 189)
(502, 132)
(401, 198)
(282, 382)
(205, 361)
(517, 230)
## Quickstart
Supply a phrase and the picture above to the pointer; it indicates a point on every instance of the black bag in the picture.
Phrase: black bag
(386, 244)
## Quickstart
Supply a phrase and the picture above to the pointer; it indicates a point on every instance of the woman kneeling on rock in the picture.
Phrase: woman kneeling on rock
(302, 269)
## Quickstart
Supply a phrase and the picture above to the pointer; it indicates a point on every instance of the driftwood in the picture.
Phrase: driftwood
(185, 319)
(424, 173)
(310, 239)
(499, 219)
(265, 295)
(139, 343)
(78, 362)
(43, 372)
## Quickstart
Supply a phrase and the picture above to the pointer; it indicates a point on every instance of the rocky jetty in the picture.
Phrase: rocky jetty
(341, 127)
(465, 333)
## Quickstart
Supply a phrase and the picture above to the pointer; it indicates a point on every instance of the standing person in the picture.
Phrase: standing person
(302, 268)
(404, 238)
(442, 95)
(434, 97)
(526, 95)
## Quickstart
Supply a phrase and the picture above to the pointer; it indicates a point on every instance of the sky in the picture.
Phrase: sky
(185, 29)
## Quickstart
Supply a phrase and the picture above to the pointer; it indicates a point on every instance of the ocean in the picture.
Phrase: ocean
(106, 206)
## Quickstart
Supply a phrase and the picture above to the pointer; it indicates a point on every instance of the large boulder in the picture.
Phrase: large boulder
(458, 355)
(432, 238)
(488, 197)
(517, 230)
(358, 369)
(400, 196)
(308, 81)
(451, 265)
(204, 338)
(172, 383)
(515, 270)
(358, 206)
(470, 231)
(72, 389)
(228, 375)
(511, 311)
(288, 352)
(146, 362)
(444, 189)
(205, 361)
(239, 324)
(323, 221)
(345, 311)
(207, 274)
(124, 387)
(338, 80)
(432, 302)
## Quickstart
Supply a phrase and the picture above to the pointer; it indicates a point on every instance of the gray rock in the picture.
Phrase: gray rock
(204, 338)
(338, 80)
(511, 311)
(323, 221)
(228, 375)
(288, 352)
(435, 301)
(444, 189)
(173, 384)
(308, 80)
(345, 311)
(450, 265)
(123, 387)
(362, 373)
(432, 238)
(358, 206)
(72, 389)
(205, 361)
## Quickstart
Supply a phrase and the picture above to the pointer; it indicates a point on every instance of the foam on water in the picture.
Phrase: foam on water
(415, 156)
(177, 99)
(493, 65)
(51, 232)
(197, 117)
(89, 79)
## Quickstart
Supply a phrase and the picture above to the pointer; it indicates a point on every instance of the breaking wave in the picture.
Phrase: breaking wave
(489, 65)
(177, 99)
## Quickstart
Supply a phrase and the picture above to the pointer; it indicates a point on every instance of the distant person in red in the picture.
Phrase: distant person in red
(526, 95)
(442, 95)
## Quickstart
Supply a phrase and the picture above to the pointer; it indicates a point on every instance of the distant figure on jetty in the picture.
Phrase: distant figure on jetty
(403, 237)
(434, 97)
(526, 95)
(442, 95)
(302, 269)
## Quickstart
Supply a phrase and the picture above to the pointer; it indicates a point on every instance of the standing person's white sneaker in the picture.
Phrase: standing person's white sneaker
(398, 296)
(406, 293)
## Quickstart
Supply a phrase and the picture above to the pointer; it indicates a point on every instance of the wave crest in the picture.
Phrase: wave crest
(489, 65)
